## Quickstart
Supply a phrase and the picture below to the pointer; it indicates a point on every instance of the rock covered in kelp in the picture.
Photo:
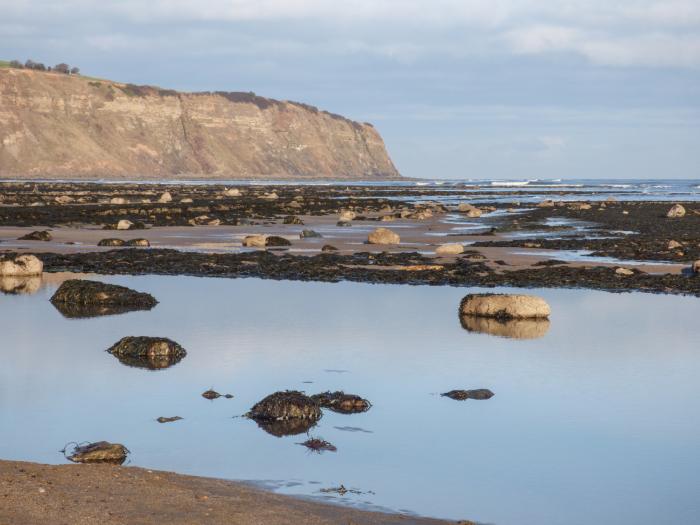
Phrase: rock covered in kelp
(309, 234)
(111, 242)
(342, 402)
(510, 328)
(383, 236)
(168, 419)
(328, 248)
(275, 240)
(138, 243)
(153, 353)
(461, 395)
(20, 266)
(84, 298)
(319, 445)
(42, 235)
(213, 394)
(289, 404)
(100, 452)
(504, 306)
(676, 212)
(292, 219)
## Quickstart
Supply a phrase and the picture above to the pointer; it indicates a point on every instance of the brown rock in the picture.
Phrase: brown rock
(383, 236)
(505, 306)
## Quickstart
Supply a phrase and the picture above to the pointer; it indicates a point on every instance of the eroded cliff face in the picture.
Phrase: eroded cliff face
(54, 125)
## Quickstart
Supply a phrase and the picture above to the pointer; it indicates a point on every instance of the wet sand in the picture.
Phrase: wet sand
(36, 494)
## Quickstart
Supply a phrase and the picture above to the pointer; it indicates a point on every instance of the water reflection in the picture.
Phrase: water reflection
(85, 311)
(513, 328)
(150, 362)
(286, 427)
(20, 285)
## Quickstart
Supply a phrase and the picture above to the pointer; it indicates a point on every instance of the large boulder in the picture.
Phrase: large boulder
(471, 211)
(100, 452)
(675, 212)
(346, 216)
(153, 353)
(509, 328)
(505, 306)
(275, 240)
(383, 236)
(77, 298)
(289, 404)
(254, 241)
(453, 248)
(20, 266)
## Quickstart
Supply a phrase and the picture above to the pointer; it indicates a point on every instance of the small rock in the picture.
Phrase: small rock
(168, 419)
(676, 211)
(124, 224)
(254, 241)
(342, 402)
(546, 204)
(275, 240)
(346, 216)
(329, 248)
(211, 394)
(138, 242)
(383, 236)
(117, 200)
(504, 306)
(461, 395)
(233, 192)
(309, 234)
(696, 267)
(186, 200)
(673, 245)
(624, 271)
(165, 198)
(292, 219)
(319, 445)
(289, 404)
(343, 224)
(147, 347)
(37, 236)
(111, 242)
(64, 199)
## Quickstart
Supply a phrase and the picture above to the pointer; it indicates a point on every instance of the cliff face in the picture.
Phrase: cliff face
(54, 125)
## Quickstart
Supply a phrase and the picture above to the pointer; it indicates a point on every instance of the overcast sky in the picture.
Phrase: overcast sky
(458, 88)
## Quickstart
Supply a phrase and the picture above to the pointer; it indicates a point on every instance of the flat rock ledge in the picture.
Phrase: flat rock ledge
(505, 306)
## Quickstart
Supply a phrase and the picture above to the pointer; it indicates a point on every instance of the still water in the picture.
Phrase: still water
(595, 417)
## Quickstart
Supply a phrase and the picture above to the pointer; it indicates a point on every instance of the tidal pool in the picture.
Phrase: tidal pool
(594, 418)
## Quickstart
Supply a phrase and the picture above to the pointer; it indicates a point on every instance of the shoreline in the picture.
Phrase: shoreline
(40, 494)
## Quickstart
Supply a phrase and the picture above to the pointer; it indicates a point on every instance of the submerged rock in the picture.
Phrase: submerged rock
(510, 328)
(504, 306)
(676, 211)
(168, 419)
(111, 242)
(20, 266)
(286, 405)
(154, 353)
(138, 242)
(292, 219)
(83, 298)
(319, 445)
(461, 395)
(383, 236)
(43, 235)
(342, 402)
(100, 452)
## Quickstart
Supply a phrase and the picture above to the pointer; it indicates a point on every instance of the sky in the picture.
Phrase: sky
(506, 89)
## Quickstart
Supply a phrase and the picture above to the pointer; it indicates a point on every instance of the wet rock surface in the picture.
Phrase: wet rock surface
(168, 419)
(84, 298)
(341, 402)
(37, 236)
(12, 265)
(504, 306)
(462, 395)
(510, 328)
(319, 445)
(153, 353)
(286, 405)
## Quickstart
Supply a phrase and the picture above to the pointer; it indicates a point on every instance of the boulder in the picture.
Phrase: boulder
(342, 402)
(147, 348)
(100, 452)
(504, 306)
(117, 200)
(289, 404)
(124, 224)
(327, 248)
(511, 328)
(453, 248)
(77, 298)
(233, 192)
(165, 198)
(346, 216)
(275, 241)
(292, 219)
(673, 245)
(383, 236)
(20, 266)
(675, 212)
(309, 234)
(625, 272)
(111, 242)
(696, 267)
(43, 235)
(461, 395)
(254, 241)
(138, 242)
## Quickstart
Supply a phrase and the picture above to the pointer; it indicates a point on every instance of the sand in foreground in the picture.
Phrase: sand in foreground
(35, 494)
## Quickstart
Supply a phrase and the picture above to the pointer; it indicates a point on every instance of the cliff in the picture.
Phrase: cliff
(59, 126)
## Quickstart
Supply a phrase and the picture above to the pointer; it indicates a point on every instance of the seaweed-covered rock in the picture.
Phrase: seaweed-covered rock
(328, 248)
(100, 452)
(275, 240)
(20, 266)
(309, 234)
(342, 402)
(289, 404)
(504, 306)
(111, 242)
(383, 236)
(292, 219)
(144, 347)
(43, 235)
(138, 242)
(168, 419)
(83, 298)
(510, 328)
(461, 395)
(319, 445)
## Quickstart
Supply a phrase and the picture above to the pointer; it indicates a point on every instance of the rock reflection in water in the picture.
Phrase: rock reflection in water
(514, 328)
(286, 427)
(84, 311)
(20, 285)
(158, 362)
